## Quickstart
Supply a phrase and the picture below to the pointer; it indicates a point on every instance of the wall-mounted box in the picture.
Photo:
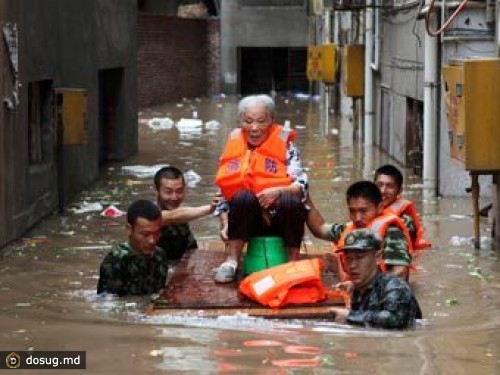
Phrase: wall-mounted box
(472, 92)
(329, 63)
(353, 58)
(72, 115)
(314, 63)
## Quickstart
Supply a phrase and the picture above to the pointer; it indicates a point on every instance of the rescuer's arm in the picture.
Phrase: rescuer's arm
(185, 214)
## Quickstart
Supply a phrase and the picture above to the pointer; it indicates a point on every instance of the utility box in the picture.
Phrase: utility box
(329, 63)
(71, 113)
(314, 63)
(353, 58)
(472, 92)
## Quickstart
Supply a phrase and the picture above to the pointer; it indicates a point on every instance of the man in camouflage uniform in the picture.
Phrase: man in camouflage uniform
(364, 202)
(176, 236)
(137, 267)
(378, 299)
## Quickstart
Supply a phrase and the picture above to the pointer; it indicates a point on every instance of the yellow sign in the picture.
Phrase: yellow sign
(314, 63)
(329, 63)
(353, 70)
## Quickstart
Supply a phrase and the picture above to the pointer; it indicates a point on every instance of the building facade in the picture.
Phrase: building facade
(263, 45)
(69, 101)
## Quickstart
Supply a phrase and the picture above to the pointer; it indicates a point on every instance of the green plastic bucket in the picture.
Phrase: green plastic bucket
(264, 252)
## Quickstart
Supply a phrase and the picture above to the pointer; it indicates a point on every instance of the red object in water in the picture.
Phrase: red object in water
(112, 211)
(312, 362)
(299, 349)
(262, 343)
(351, 355)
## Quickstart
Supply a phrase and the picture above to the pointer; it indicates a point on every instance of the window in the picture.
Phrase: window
(273, 3)
(39, 122)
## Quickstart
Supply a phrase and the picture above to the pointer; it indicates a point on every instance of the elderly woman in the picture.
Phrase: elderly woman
(261, 177)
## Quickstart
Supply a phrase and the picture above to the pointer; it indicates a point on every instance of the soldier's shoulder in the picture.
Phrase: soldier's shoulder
(120, 251)
(394, 282)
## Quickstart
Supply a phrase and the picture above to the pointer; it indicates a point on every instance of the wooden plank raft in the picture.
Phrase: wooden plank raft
(192, 291)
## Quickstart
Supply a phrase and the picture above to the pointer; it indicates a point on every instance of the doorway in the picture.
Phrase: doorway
(265, 69)
(110, 95)
(414, 134)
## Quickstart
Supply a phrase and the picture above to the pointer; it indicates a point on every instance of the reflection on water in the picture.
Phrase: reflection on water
(47, 280)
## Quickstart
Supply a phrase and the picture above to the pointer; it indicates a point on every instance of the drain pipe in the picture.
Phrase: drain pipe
(496, 177)
(430, 115)
(369, 110)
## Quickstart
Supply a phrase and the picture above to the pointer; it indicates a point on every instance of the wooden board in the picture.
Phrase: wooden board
(192, 291)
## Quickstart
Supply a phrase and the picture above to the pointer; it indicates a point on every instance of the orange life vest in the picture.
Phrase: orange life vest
(292, 282)
(378, 227)
(265, 166)
(404, 206)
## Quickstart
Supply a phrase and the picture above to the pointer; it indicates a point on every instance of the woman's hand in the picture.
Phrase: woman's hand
(268, 197)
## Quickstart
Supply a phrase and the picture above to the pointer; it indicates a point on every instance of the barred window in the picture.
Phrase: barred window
(39, 121)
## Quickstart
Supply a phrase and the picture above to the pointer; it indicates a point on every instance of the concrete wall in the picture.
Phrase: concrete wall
(68, 42)
(243, 26)
(401, 77)
(172, 59)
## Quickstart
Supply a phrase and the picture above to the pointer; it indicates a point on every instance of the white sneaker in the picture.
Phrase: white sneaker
(226, 273)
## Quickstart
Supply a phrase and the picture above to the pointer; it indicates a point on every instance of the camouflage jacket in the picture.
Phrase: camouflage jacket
(388, 302)
(410, 224)
(176, 239)
(395, 248)
(125, 271)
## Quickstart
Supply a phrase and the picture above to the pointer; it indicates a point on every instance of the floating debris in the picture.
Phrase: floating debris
(113, 212)
(142, 171)
(165, 123)
(477, 272)
(87, 207)
(23, 304)
(189, 125)
(212, 124)
(451, 302)
(192, 178)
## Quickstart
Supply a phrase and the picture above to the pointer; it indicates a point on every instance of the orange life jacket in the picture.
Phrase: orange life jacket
(378, 227)
(404, 206)
(292, 282)
(265, 166)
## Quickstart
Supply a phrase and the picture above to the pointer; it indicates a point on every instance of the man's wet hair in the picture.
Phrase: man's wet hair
(142, 208)
(390, 170)
(251, 100)
(364, 189)
(170, 173)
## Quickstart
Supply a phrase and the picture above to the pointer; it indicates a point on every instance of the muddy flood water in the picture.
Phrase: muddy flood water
(48, 279)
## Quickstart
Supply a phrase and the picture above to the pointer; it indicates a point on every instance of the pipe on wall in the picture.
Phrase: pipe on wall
(368, 102)
(430, 115)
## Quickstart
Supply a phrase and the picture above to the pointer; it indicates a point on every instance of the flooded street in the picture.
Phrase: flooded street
(48, 279)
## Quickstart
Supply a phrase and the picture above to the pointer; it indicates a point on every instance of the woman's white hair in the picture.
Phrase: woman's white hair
(252, 100)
